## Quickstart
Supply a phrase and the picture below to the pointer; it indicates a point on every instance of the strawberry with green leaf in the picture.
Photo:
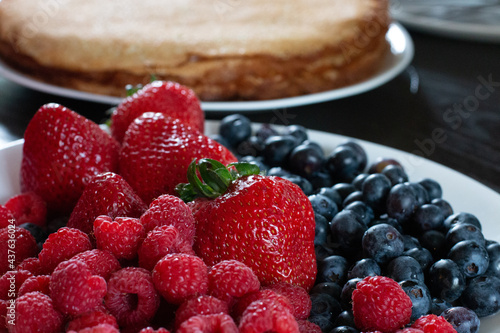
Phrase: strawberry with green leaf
(265, 222)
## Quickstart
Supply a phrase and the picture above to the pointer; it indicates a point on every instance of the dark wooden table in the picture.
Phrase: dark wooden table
(445, 107)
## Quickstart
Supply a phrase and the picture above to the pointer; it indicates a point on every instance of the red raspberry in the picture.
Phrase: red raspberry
(201, 305)
(4, 311)
(242, 303)
(10, 283)
(231, 278)
(106, 194)
(101, 328)
(297, 296)
(100, 262)
(91, 319)
(151, 330)
(62, 245)
(122, 237)
(268, 315)
(170, 210)
(40, 283)
(433, 324)
(379, 303)
(74, 289)
(159, 242)
(31, 265)
(179, 276)
(306, 326)
(35, 312)
(132, 297)
(409, 330)
(16, 244)
(220, 322)
(28, 207)
(6, 217)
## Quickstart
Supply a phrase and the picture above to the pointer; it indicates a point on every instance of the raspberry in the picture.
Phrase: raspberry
(100, 262)
(31, 265)
(106, 194)
(170, 210)
(6, 217)
(201, 305)
(18, 240)
(151, 330)
(38, 283)
(159, 242)
(3, 313)
(220, 322)
(297, 296)
(101, 328)
(306, 326)
(433, 324)
(121, 237)
(28, 207)
(132, 297)
(379, 303)
(74, 289)
(268, 315)
(242, 303)
(10, 283)
(62, 245)
(91, 319)
(35, 312)
(409, 330)
(180, 276)
(231, 278)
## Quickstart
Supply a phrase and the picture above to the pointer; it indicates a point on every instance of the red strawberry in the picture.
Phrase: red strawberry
(156, 153)
(62, 151)
(106, 194)
(170, 98)
(265, 222)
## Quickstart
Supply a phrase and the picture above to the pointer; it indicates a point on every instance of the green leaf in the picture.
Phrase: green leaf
(245, 168)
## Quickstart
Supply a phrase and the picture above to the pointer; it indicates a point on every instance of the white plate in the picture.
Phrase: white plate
(463, 193)
(397, 60)
(477, 20)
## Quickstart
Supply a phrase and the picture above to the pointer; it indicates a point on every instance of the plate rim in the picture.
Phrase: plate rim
(401, 60)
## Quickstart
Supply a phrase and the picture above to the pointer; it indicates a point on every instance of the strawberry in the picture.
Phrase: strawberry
(157, 150)
(62, 150)
(170, 98)
(265, 222)
(106, 194)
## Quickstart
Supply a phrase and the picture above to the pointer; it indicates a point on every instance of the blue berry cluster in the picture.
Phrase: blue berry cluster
(372, 220)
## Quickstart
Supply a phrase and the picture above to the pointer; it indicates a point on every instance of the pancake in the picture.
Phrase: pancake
(222, 49)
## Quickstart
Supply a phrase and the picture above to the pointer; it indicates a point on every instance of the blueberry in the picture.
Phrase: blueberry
(297, 131)
(438, 306)
(223, 141)
(435, 242)
(346, 294)
(401, 202)
(258, 161)
(325, 306)
(330, 288)
(411, 242)
(301, 182)
(378, 165)
(446, 281)
(343, 164)
(444, 205)
(344, 329)
(421, 192)
(279, 172)
(305, 161)
(462, 319)
(471, 257)
(322, 205)
(345, 318)
(427, 217)
(347, 230)
(395, 173)
(313, 144)
(363, 268)
(494, 254)
(364, 212)
(482, 295)
(384, 219)
(344, 189)
(320, 179)
(375, 189)
(357, 182)
(332, 269)
(464, 231)
(361, 156)
(235, 128)
(382, 242)
(322, 230)
(264, 131)
(322, 251)
(422, 255)
(331, 194)
(37, 232)
(353, 197)
(250, 147)
(461, 217)
(405, 268)
(432, 187)
(277, 148)
(420, 298)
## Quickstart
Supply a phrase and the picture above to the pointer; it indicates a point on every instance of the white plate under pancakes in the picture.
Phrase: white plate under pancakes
(464, 193)
(400, 55)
